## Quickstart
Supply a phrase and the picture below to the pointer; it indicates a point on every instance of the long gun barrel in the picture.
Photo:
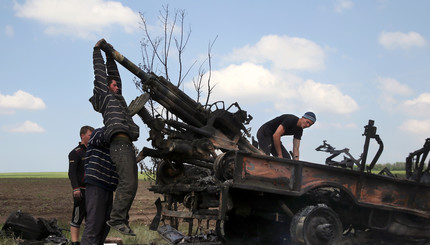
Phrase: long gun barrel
(200, 132)
(164, 92)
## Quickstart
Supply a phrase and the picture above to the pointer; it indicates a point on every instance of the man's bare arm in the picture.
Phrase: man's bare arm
(296, 146)
(277, 139)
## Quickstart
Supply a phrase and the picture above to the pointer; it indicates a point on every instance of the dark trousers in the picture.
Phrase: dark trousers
(79, 211)
(265, 142)
(99, 205)
(123, 156)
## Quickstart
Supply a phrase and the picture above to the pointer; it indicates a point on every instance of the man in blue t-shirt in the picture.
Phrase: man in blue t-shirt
(269, 134)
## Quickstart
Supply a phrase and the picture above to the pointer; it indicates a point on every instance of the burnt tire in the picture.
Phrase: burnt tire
(224, 166)
(316, 225)
(169, 172)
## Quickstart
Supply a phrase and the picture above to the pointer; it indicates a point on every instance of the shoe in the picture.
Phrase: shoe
(137, 104)
(122, 228)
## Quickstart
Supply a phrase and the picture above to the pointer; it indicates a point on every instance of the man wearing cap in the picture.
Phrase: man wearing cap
(269, 134)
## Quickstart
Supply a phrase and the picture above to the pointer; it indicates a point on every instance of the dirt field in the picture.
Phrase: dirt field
(52, 198)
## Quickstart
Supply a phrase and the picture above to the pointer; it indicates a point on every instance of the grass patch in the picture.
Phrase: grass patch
(45, 175)
(399, 173)
(143, 235)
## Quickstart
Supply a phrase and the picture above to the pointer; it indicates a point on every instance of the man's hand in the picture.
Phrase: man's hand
(77, 195)
(100, 43)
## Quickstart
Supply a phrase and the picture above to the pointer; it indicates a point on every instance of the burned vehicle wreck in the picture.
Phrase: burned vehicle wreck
(209, 173)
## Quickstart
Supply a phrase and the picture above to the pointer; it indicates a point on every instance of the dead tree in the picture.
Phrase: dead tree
(157, 50)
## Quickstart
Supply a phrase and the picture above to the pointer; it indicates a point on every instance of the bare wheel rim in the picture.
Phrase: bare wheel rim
(317, 225)
(169, 172)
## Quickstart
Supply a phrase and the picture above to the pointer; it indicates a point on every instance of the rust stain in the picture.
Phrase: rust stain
(265, 169)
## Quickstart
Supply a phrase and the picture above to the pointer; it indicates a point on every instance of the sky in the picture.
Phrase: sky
(347, 61)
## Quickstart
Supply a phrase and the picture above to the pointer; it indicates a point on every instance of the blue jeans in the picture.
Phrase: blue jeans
(124, 158)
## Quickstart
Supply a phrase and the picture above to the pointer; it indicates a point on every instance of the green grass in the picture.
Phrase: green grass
(143, 235)
(399, 173)
(56, 175)
(46, 175)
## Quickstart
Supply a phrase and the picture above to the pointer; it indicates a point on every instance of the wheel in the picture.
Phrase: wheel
(224, 166)
(169, 172)
(316, 225)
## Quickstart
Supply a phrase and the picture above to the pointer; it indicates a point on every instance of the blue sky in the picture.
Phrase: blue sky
(348, 61)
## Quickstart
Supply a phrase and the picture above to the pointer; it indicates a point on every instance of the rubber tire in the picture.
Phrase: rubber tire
(303, 228)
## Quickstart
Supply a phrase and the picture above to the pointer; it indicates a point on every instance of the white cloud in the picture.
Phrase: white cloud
(326, 98)
(247, 82)
(250, 84)
(21, 100)
(264, 76)
(79, 18)
(341, 5)
(394, 40)
(391, 93)
(419, 106)
(283, 52)
(422, 99)
(393, 87)
(26, 127)
(419, 127)
(393, 99)
(9, 31)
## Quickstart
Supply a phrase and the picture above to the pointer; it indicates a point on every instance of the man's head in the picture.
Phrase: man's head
(85, 134)
(307, 120)
(112, 85)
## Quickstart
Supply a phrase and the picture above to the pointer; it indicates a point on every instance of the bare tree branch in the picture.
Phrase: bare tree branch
(210, 88)
(168, 35)
(156, 53)
(197, 82)
(154, 44)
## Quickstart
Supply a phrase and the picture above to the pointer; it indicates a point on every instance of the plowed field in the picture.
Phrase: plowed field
(52, 198)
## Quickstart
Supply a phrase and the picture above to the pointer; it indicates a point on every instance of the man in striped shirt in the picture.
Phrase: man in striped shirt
(101, 180)
(120, 132)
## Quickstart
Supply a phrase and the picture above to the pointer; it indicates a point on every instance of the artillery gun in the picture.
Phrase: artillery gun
(209, 171)
(199, 136)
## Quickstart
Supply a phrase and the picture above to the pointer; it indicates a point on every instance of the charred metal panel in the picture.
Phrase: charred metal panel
(280, 176)
(400, 195)
(369, 189)
(318, 176)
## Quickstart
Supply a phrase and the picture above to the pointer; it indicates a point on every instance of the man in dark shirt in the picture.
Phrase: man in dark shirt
(76, 176)
(269, 134)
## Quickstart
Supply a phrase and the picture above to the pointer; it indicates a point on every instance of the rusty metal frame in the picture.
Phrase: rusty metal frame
(295, 178)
